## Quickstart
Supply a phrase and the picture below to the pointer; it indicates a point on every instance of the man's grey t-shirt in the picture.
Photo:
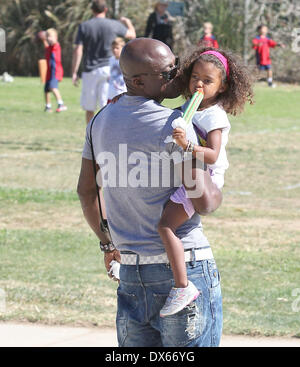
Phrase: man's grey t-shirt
(128, 140)
(96, 35)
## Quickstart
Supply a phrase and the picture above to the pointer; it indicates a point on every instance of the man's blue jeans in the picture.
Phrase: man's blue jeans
(142, 293)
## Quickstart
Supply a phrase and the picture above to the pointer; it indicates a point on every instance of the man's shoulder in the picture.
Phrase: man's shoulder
(152, 16)
(91, 23)
(167, 114)
(138, 110)
(86, 22)
(100, 22)
(140, 101)
(161, 106)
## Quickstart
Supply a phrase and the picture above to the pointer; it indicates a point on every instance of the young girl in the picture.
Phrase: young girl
(227, 86)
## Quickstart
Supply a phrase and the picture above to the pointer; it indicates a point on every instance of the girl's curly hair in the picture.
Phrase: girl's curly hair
(239, 84)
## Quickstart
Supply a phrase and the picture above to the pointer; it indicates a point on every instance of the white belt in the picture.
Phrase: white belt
(131, 259)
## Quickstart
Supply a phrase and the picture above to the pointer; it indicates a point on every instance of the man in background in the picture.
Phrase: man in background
(93, 42)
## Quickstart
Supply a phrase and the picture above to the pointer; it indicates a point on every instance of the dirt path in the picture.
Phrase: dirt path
(28, 335)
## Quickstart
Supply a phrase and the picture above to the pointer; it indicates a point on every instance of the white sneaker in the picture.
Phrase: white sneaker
(178, 299)
(61, 108)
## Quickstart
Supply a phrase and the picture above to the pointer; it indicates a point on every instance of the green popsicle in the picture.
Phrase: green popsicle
(193, 106)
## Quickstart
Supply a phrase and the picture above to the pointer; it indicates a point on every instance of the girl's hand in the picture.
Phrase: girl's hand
(179, 135)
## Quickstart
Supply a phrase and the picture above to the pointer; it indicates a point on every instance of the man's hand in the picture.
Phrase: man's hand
(179, 135)
(75, 79)
(130, 34)
(89, 203)
(77, 56)
(125, 21)
(108, 257)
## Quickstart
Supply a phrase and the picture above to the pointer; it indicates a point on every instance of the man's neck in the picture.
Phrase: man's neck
(132, 93)
(100, 15)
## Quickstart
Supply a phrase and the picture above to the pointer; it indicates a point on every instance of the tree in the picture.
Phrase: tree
(22, 20)
(235, 23)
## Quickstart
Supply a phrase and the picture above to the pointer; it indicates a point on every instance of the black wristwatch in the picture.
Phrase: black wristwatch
(108, 247)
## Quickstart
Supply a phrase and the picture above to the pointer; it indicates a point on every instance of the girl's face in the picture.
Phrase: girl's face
(207, 76)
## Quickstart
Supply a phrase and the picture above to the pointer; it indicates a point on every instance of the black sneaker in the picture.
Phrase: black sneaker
(48, 109)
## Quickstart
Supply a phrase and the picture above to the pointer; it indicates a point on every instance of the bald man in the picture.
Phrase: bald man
(137, 168)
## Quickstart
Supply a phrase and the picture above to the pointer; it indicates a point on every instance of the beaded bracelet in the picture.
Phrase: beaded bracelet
(190, 147)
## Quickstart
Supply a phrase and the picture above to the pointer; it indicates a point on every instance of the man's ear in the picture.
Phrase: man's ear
(137, 82)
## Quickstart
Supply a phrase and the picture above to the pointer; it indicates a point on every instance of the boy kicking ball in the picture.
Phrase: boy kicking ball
(54, 69)
(262, 44)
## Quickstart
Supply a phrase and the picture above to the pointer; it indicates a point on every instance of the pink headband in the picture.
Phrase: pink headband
(220, 57)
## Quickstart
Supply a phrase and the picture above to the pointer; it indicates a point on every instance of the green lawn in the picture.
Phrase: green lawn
(50, 265)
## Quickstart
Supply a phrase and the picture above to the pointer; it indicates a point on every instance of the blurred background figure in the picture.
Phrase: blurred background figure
(54, 68)
(208, 39)
(159, 24)
(93, 43)
(116, 81)
(262, 44)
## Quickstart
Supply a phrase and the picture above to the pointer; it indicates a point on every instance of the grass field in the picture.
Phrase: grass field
(50, 266)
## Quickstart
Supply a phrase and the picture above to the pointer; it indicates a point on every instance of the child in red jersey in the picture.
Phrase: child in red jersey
(208, 40)
(54, 70)
(262, 45)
